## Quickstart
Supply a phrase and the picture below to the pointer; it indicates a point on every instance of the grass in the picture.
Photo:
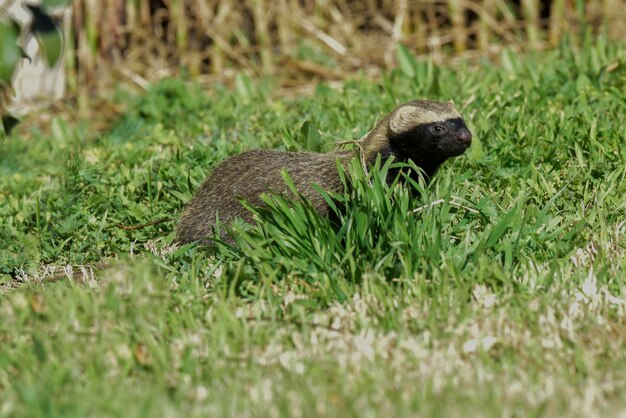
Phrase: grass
(499, 292)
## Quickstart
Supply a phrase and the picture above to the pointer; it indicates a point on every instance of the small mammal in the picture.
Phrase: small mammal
(427, 132)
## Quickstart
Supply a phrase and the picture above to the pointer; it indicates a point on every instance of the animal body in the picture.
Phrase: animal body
(426, 132)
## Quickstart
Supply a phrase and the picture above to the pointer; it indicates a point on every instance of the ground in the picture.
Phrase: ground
(498, 292)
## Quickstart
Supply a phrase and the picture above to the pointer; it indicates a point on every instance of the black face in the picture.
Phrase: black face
(439, 140)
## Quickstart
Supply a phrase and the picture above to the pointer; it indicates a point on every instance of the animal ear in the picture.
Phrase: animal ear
(403, 119)
(451, 102)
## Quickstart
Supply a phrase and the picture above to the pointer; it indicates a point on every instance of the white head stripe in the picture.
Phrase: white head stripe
(407, 117)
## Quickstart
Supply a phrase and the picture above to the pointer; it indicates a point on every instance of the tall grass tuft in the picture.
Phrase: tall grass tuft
(399, 232)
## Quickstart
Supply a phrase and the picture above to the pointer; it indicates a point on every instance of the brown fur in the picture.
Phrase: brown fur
(250, 174)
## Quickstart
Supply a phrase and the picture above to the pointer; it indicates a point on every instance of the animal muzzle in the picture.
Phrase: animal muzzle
(464, 136)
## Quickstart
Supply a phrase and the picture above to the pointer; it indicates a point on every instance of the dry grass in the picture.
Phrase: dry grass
(145, 40)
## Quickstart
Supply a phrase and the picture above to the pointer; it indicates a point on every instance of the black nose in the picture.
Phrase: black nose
(464, 136)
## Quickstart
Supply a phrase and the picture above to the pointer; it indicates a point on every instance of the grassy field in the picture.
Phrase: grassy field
(499, 292)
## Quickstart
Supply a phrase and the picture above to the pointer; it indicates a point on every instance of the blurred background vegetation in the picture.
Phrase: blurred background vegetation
(135, 42)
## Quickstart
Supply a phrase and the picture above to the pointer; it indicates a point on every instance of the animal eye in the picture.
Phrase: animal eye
(438, 129)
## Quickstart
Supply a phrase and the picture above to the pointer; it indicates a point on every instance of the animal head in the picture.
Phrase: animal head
(428, 129)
